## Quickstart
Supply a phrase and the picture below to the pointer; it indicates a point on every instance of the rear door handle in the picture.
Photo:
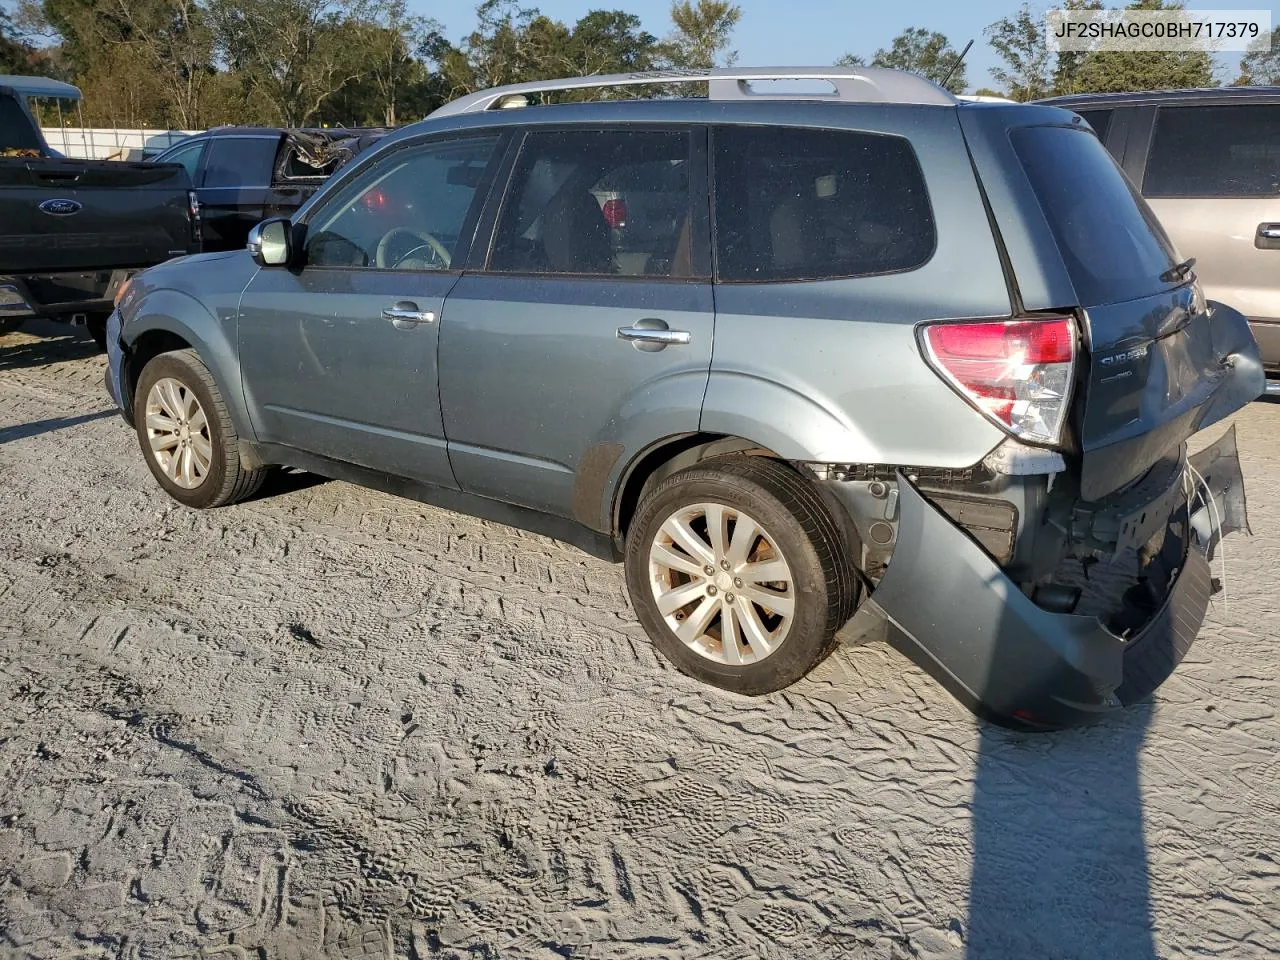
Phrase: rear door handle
(1268, 237)
(405, 315)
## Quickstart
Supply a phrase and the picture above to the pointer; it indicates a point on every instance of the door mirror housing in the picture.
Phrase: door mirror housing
(271, 243)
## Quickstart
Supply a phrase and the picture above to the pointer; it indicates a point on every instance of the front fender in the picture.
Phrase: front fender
(212, 337)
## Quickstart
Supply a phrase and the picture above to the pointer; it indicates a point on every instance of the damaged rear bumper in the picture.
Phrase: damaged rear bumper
(952, 609)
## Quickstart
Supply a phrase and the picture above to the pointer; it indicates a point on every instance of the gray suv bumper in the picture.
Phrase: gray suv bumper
(951, 609)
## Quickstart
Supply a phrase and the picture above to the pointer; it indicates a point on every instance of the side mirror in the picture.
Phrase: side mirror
(270, 243)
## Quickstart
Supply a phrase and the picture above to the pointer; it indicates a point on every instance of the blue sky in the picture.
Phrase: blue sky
(819, 31)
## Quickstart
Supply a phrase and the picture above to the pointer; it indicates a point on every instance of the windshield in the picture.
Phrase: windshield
(17, 132)
(1113, 245)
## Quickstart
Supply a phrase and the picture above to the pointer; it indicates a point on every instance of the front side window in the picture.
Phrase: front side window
(1216, 151)
(799, 204)
(407, 212)
(599, 203)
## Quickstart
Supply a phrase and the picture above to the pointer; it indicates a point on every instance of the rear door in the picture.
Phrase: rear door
(592, 311)
(1213, 178)
(234, 187)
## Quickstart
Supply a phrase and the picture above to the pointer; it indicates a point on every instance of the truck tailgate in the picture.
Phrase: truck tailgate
(69, 215)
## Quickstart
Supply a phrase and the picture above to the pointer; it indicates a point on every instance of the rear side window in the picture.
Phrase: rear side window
(240, 161)
(601, 203)
(17, 132)
(1221, 151)
(1100, 120)
(187, 155)
(1113, 246)
(798, 204)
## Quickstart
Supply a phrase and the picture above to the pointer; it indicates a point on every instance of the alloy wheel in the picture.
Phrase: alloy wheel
(178, 433)
(721, 584)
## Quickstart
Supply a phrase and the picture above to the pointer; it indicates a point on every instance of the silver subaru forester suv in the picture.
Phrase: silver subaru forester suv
(859, 352)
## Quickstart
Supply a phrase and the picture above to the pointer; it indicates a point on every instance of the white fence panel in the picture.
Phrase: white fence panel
(86, 143)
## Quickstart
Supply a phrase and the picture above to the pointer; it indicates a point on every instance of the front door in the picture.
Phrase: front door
(592, 314)
(339, 357)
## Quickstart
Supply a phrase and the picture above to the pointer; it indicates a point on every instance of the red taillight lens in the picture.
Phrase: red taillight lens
(1018, 372)
(615, 213)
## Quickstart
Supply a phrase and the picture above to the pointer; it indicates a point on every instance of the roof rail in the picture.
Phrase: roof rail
(850, 84)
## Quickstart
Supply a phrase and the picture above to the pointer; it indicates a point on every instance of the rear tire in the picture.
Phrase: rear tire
(8, 325)
(778, 548)
(186, 433)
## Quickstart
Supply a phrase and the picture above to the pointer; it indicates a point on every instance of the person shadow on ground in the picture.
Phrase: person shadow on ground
(1060, 873)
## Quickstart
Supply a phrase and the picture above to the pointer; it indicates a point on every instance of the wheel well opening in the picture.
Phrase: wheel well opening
(145, 349)
(670, 457)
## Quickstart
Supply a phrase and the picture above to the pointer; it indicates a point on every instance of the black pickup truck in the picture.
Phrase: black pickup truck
(71, 231)
(244, 175)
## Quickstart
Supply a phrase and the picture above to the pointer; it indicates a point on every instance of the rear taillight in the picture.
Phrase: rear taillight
(193, 215)
(1017, 372)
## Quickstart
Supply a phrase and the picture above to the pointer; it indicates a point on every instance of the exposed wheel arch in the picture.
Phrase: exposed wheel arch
(674, 454)
(668, 456)
(146, 348)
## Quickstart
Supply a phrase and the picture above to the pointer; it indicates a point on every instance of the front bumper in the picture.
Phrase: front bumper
(950, 608)
(114, 376)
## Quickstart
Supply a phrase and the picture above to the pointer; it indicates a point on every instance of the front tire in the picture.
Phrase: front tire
(739, 574)
(186, 433)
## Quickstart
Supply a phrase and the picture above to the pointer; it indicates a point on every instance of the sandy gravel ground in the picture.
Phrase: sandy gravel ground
(334, 724)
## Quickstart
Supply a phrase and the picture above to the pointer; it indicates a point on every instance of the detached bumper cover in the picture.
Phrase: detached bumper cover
(953, 611)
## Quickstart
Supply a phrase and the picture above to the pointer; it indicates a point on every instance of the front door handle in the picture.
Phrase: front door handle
(650, 335)
(1268, 236)
(405, 315)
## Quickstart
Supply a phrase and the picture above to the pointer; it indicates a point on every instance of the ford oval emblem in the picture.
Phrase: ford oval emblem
(61, 207)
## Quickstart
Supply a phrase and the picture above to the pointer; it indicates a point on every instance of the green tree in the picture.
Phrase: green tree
(387, 37)
(290, 55)
(162, 49)
(611, 41)
(1114, 71)
(851, 60)
(1020, 42)
(924, 52)
(1066, 70)
(16, 54)
(702, 34)
(493, 54)
(1261, 64)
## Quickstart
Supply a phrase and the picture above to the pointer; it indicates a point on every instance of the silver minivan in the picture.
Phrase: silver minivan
(1208, 163)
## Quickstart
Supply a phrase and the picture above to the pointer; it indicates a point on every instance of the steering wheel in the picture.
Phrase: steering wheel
(383, 252)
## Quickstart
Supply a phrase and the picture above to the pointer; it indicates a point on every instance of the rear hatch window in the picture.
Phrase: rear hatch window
(1112, 244)
(1154, 372)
